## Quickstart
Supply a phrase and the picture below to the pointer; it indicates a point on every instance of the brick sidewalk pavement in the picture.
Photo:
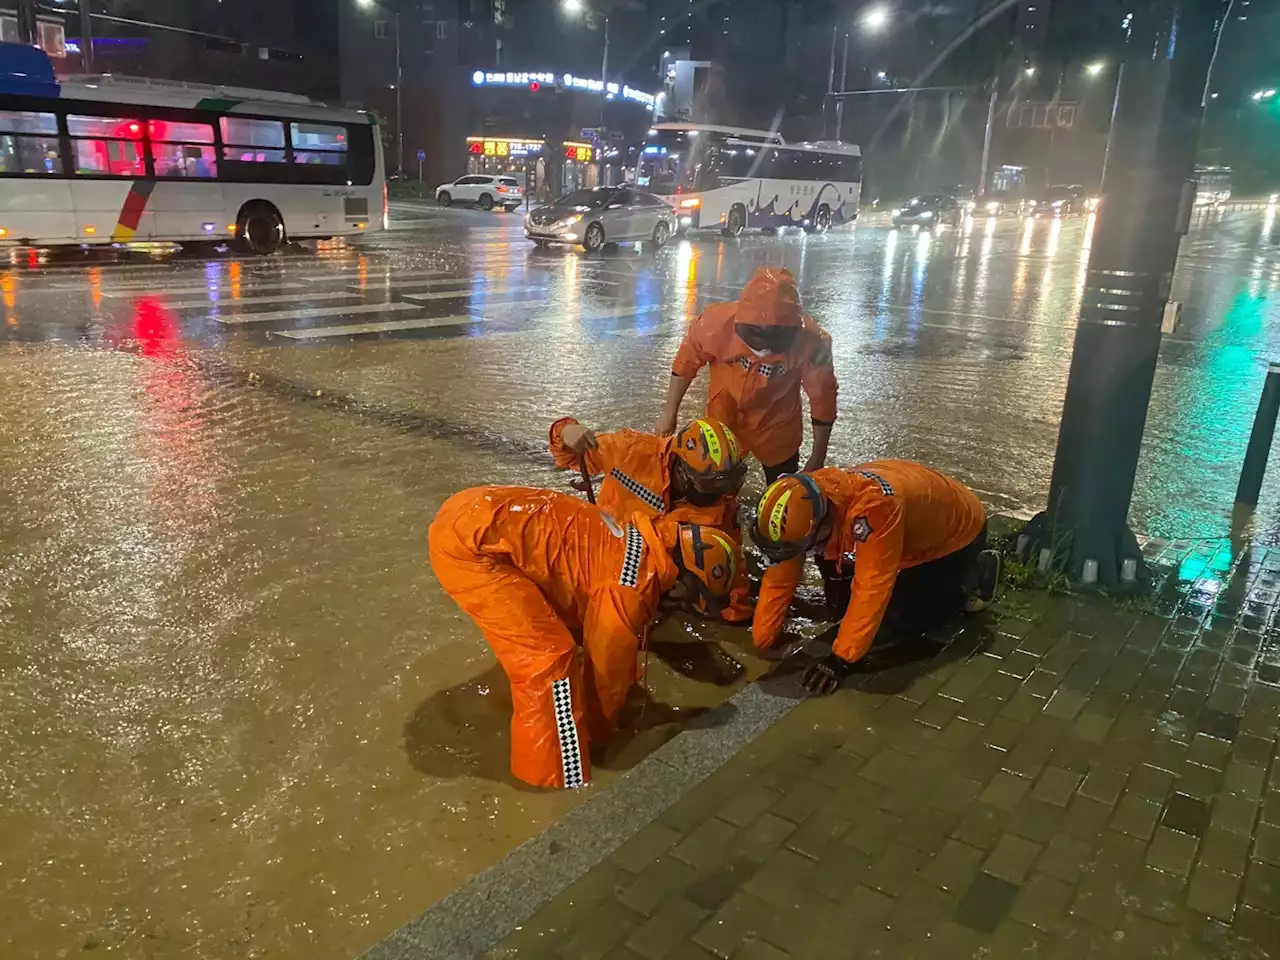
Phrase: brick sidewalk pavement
(1072, 779)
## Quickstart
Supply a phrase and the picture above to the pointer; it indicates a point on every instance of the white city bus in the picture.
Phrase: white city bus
(735, 179)
(114, 160)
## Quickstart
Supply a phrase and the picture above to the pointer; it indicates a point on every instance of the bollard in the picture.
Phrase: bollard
(1264, 428)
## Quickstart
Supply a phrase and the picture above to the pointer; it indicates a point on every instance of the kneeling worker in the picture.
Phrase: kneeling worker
(915, 540)
(693, 477)
(543, 573)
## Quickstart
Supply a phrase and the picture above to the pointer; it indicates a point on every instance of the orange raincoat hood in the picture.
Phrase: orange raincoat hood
(771, 299)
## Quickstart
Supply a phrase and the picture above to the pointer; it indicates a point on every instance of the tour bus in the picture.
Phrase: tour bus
(734, 178)
(97, 160)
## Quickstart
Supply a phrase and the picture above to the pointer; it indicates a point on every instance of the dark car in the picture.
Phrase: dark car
(1062, 201)
(929, 210)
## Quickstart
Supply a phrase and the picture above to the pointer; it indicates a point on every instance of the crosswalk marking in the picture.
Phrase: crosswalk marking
(467, 292)
(439, 282)
(250, 301)
(152, 289)
(386, 326)
(304, 314)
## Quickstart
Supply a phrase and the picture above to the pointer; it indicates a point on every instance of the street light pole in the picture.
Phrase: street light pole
(399, 101)
(1146, 208)
(985, 170)
(844, 85)
(86, 36)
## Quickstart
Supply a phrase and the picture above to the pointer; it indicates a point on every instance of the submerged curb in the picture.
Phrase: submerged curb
(478, 915)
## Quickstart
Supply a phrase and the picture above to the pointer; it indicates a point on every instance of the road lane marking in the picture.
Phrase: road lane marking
(250, 301)
(303, 314)
(156, 290)
(387, 326)
(470, 292)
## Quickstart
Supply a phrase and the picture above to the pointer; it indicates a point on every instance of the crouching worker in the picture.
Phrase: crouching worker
(693, 477)
(896, 543)
(563, 595)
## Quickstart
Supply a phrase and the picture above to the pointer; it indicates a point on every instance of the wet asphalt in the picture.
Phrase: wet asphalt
(244, 721)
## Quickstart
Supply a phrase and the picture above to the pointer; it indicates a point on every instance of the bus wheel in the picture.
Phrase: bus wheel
(735, 222)
(259, 229)
(821, 221)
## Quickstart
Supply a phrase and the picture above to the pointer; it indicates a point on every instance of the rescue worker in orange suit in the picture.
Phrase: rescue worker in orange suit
(897, 544)
(693, 477)
(762, 351)
(563, 595)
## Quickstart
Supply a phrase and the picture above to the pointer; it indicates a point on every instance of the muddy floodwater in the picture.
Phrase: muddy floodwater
(241, 720)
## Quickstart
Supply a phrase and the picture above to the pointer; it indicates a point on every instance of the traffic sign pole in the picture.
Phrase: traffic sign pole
(1146, 207)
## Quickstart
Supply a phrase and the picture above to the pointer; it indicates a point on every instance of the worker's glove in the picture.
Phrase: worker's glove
(825, 676)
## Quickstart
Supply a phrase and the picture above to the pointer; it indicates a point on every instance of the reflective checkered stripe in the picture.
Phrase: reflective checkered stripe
(567, 731)
(631, 558)
(884, 484)
(638, 489)
(773, 369)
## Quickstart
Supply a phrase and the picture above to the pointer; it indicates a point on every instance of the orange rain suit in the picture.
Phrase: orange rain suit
(758, 397)
(890, 515)
(542, 573)
(637, 481)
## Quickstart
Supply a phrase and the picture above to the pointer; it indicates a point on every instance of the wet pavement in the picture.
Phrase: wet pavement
(1068, 779)
(243, 720)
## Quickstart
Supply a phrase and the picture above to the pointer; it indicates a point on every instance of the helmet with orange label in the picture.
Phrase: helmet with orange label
(708, 458)
(709, 560)
(790, 518)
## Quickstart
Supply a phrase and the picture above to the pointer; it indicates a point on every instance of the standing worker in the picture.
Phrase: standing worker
(915, 539)
(543, 574)
(762, 351)
(693, 477)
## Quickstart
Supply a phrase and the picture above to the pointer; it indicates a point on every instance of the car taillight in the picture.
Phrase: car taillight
(502, 189)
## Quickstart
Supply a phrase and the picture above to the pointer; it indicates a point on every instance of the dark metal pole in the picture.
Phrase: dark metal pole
(985, 169)
(1259, 451)
(86, 36)
(28, 32)
(1146, 206)
(399, 102)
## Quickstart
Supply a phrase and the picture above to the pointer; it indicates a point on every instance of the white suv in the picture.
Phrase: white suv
(485, 191)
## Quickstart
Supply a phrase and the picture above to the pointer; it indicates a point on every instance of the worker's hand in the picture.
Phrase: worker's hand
(825, 676)
(578, 438)
(666, 425)
(812, 464)
(783, 647)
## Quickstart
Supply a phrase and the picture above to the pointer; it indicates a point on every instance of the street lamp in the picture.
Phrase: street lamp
(572, 7)
(875, 19)
(399, 87)
(1263, 94)
(1030, 71)
(1096, 68)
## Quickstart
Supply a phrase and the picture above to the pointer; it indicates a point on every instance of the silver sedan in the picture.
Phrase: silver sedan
(592, 218)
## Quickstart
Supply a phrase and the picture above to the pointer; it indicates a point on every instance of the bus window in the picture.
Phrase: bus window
(29, 143)
(318, 143)
(182, 149)
(246, 140)
(107, 146)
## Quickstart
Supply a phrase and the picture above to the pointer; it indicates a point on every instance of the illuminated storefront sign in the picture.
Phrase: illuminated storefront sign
(483, 78)
(501, 147)
(578, 151)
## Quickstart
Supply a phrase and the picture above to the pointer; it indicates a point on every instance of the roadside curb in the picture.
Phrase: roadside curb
(479, 914)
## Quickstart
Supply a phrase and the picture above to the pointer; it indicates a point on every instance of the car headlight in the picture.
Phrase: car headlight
(897, 211)
(569, 222)
(927, 215)
(993, 207)
(1031, 203)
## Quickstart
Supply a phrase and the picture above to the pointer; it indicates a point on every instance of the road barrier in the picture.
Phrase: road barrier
(1264, 428)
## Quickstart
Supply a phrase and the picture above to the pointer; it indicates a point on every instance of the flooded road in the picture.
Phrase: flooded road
(244, 722)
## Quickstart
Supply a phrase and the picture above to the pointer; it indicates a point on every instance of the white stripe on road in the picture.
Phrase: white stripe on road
(304, 314)
(152, 289)
(421, 284)
(250, 301)
(468, 292)
(388, 326)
